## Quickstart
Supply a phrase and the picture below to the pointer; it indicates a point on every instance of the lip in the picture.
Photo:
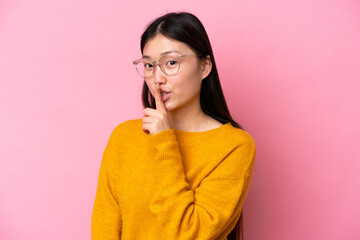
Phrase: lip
(166, 96)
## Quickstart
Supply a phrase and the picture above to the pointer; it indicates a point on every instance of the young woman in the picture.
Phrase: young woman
(183, 170)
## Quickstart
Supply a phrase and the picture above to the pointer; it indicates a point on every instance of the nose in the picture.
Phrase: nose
(158, 75)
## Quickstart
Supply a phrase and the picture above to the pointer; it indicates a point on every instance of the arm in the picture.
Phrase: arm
(106, 218)
(209, 211)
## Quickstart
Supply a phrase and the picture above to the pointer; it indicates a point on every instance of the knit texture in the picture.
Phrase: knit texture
(173, 184)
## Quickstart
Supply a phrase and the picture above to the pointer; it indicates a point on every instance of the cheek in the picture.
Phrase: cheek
(188, 85)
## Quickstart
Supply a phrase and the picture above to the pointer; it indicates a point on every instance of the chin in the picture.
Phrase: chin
(170, 106)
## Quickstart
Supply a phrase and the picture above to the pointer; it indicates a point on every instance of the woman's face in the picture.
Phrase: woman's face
(184, 86)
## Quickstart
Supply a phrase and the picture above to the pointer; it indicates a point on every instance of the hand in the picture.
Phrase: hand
(156, 120)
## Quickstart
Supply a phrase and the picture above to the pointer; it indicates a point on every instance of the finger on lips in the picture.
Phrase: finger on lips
(159, 102)
(150, 114)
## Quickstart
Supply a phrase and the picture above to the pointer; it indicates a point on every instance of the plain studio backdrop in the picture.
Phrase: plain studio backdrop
(290, 72)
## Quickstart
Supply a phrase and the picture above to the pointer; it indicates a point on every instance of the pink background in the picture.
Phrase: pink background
(290, 71)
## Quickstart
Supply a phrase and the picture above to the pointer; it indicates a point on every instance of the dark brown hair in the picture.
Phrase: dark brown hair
(187, 28)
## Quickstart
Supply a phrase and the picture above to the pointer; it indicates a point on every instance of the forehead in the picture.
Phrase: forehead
(160, 45)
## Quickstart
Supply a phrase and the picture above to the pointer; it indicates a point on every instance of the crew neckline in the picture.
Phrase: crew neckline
(203, 132)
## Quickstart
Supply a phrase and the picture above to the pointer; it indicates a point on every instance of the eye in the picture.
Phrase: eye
(148, 65)
(171, 64)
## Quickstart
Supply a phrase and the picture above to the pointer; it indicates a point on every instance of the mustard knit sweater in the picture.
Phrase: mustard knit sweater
(173, 184)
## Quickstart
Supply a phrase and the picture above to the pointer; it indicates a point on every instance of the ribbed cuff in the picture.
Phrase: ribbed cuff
(163, 138)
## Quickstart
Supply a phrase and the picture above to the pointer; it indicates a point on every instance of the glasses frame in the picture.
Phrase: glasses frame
(161, 66)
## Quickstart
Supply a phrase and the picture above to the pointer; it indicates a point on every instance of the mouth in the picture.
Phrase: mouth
(165, 96)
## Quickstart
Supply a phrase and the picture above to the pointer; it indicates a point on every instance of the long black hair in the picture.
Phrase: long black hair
(187, 28)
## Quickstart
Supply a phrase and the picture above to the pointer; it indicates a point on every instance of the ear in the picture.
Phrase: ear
(206, 66)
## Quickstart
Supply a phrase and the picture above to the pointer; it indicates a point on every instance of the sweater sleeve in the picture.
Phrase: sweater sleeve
(212, 209)
(106, 217)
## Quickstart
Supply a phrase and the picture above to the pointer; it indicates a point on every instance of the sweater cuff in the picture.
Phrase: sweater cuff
(162, 139)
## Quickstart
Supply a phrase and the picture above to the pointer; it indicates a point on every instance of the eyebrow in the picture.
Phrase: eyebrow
(162, 54)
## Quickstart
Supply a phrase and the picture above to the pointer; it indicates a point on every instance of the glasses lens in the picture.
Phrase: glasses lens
(144, 68)
(170, 64)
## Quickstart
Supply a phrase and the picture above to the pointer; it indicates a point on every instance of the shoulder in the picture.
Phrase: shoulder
(243, 149)
(124, 134)
(129, 127)
(236, 148)
(239, 136)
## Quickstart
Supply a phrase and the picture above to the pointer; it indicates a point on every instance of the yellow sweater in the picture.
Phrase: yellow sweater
(173, 184)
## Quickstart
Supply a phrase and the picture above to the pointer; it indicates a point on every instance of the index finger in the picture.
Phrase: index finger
(160, 106)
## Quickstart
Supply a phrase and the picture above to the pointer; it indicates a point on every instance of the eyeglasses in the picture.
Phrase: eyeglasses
(169, 64)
